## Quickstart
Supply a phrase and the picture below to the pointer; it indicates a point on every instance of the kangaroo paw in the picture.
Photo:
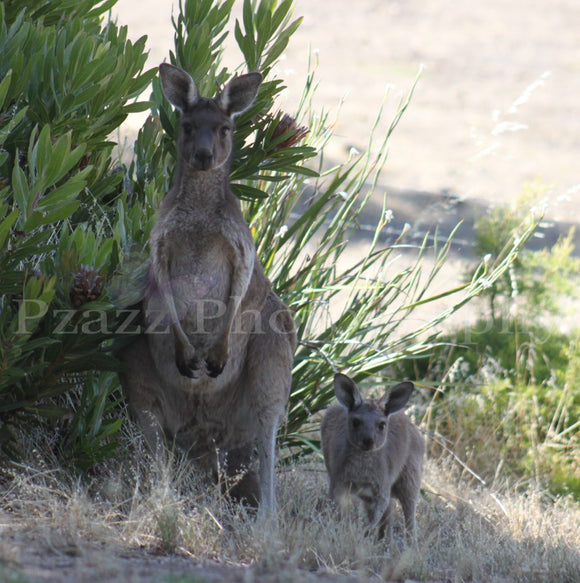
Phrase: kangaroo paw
(215, 366)
(187, 362)
(217, 358)
(189, 371)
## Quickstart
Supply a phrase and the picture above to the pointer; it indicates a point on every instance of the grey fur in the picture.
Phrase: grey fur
(372, 450)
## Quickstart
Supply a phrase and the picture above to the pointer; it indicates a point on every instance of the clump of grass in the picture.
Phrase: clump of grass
(466, 530)
(513, 425)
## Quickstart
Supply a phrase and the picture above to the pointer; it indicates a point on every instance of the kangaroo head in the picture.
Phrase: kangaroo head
(368, 419)
(206, 125)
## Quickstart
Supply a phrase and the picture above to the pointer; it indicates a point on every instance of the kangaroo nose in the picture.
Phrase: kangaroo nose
(367, 443)
(204, 158)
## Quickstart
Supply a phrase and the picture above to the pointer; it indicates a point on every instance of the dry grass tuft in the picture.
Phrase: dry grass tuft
(141, 521)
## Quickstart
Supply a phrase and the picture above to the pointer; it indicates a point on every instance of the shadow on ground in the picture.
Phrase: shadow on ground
(436, 216)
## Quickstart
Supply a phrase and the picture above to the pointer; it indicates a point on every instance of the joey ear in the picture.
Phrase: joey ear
(397, 397)
(239, 94)
(346, 392)
(178, 86)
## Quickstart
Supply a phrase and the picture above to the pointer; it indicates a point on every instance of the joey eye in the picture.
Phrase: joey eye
(187, 128)
(356, 423)
(382, 426)
(224, 131)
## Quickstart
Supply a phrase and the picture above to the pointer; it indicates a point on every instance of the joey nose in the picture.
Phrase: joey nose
(367, 443)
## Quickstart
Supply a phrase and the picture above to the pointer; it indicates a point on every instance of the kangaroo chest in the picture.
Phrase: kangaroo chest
(204, 255)
(205, 244)
(363, 475)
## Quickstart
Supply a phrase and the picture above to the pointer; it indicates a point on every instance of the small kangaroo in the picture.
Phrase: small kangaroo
(212, 372)
(372, 450)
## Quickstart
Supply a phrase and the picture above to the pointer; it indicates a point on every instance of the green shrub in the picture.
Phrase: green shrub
(66, 82)
(73, 231)
(524, 352)
(522, 430)
(510, 386)
(537, 280)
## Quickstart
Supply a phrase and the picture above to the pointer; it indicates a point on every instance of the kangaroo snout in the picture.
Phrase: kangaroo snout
(368, 443)
(203, 158)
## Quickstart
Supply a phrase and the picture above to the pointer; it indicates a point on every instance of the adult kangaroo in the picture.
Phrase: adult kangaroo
(212, 372)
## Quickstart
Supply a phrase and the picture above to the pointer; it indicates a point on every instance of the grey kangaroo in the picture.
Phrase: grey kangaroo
(212, 373)
(372, 450)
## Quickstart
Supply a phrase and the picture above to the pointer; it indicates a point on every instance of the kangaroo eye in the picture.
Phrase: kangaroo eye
(224, 130)
(382, 426)
(356, 423)
(187, 128)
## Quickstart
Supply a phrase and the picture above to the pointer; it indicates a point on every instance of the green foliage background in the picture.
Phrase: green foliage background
(74, 221)
(67, 81)
(509, 383)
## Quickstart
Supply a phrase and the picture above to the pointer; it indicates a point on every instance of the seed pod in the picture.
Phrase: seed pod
(87, 286)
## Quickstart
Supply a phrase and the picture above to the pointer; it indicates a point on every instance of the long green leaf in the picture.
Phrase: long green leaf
(6, 225)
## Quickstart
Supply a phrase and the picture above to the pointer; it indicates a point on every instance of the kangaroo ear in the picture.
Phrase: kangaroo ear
(347, 392)
(239, 94)
(178, 86)
(397, 397)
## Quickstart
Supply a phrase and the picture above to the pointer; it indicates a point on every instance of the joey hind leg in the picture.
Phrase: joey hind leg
(407, 490)
(409, 506)
(341, 496)
(386, 523)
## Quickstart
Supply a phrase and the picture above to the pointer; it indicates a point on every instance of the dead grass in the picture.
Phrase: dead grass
(138, 522)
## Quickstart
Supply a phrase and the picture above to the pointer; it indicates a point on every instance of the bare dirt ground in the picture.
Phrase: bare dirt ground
(496, 106)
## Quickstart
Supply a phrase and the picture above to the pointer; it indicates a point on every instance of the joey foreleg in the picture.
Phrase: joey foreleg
(376, 509)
